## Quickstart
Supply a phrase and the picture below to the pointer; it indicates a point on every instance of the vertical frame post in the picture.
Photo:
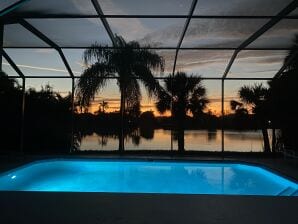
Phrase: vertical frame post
(15, 67)
(72, 113)
(22, 134)
(1, 43)
(222, 116)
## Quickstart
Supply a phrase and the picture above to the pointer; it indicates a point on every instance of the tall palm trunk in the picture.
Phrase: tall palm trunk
(122, 113)
(180, 139)
(266, 140)
(180, 133)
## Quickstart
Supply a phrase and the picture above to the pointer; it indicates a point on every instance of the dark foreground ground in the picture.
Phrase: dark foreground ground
(111, 208)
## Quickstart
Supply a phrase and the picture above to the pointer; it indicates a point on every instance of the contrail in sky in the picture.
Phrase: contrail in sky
(42, 68)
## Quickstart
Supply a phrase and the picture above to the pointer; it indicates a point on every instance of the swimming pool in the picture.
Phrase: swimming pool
(146, 177)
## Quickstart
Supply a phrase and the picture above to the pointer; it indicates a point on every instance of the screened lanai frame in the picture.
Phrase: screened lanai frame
(12, 14)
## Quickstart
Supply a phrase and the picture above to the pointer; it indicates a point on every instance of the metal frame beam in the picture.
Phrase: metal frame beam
(160, 48)
(293, 5)
(192, 9)
(22, 137)
(103, 20)
(1, 43)
(158, 78)
(12, 64)
(101, 15)
(222, 115)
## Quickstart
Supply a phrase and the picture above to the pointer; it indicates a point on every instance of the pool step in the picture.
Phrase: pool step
(289, 191)
(295, 193)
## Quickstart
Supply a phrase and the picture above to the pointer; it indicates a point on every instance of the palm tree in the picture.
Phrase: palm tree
(182, 94)
(240, 112)
(102, 107)
(128, 63)
(255, 97)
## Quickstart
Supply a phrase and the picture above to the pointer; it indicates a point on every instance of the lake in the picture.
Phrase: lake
(195, 140)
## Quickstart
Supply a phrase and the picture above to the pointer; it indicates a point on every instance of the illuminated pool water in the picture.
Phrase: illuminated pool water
(146, 177)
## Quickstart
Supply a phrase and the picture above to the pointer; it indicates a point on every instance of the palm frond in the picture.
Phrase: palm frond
(235, 105)
(164, 102)
(133, 96)
(194, 83)
(149, 59)
(92, 80)
(292, 57)
(253, 94)
(198, 101)
(147, 78)
(97, 54)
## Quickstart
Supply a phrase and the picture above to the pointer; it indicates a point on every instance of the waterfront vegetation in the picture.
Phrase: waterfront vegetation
(48, 114)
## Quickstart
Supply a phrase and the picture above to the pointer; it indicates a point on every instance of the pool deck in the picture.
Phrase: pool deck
(106, 208)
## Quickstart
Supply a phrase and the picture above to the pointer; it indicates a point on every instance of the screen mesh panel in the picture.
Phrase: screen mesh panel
(38, 62)
(153, 32)
(220, 32)
(145, 7)
(240, 7)
(260, 64)
(279, 36)
(72, 32)
(54, 7)
(205, 63)
(16, 35)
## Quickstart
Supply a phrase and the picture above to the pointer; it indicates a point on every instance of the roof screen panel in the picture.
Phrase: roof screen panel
(38, 62)
(220, 33)
(6, 3)
(73, 32)
(206, 63)
(75, 60)
(153, 32)
(54, 7)
(279, 36)
(257, 64)
(16, 35)
(240, 7)
(145, 7)
(169, 57)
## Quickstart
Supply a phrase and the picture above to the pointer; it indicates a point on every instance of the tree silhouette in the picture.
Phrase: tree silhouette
(182, 94)
(255, 97)
(10, 113)
(128, 63)
(283, 98)
(102, 107)
(47, 120)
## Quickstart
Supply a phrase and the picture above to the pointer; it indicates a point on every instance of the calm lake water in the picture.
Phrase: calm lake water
(195, 140)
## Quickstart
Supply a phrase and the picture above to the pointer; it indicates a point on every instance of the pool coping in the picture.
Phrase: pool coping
(247, 161)
(138, 159)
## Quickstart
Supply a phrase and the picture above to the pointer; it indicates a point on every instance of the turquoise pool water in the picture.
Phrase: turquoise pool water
(146, 177)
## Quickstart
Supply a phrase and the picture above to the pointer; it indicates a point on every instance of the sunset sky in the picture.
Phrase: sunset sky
(158, 33)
